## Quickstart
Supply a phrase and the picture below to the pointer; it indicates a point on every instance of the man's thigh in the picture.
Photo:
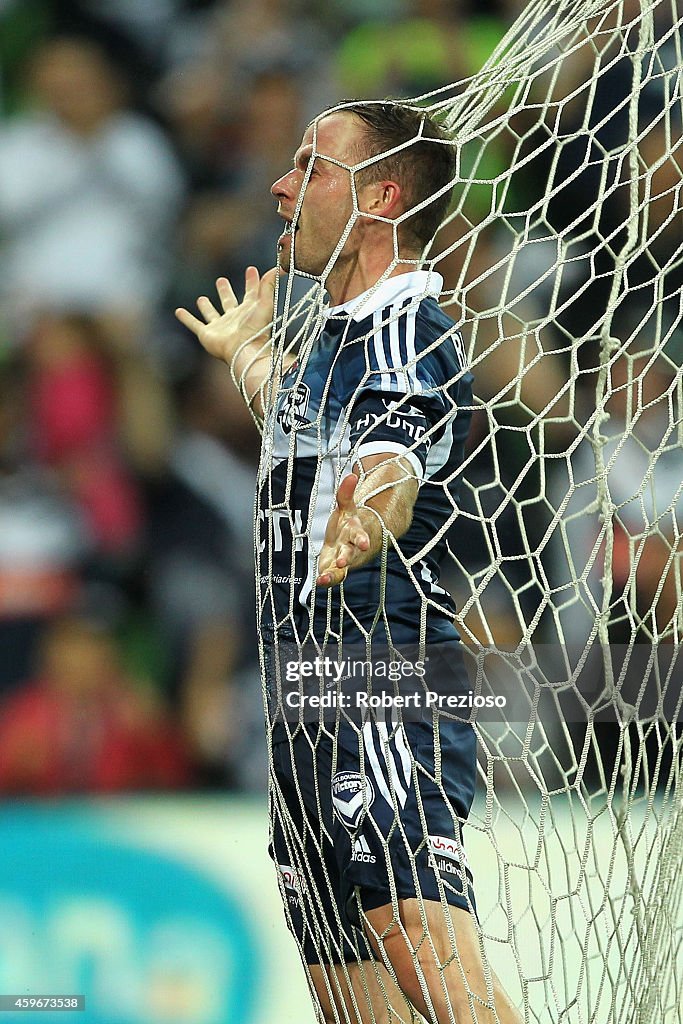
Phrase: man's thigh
(360, 993)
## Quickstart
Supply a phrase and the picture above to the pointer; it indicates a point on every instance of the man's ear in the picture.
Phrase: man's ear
(382, 198)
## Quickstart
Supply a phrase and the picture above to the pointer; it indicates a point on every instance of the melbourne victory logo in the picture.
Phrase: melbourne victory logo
(293, 408)
(352, 794)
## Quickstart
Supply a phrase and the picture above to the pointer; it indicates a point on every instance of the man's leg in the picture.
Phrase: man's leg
(360, 993)
(442, 974)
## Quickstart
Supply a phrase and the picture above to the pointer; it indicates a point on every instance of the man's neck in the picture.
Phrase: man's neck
(349, 283)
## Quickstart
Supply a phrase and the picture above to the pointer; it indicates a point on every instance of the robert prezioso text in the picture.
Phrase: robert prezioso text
(331, 676)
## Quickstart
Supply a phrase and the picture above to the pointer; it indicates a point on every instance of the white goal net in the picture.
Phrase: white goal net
(562, 255)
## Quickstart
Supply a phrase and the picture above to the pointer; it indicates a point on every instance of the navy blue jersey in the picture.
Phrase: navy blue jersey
(386, 374)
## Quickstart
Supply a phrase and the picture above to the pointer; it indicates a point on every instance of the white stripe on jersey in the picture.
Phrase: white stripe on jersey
(428, 576)
(389, 781)
(391, 764)
(396, 361)
(397, 375)
(387, 447)
(380, 355)
(459, 346)
(373, 760)
(410, 321)
(317, 524)
(402, 747)
(440, 452)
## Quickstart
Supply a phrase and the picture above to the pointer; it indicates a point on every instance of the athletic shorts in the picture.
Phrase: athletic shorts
(363, 816)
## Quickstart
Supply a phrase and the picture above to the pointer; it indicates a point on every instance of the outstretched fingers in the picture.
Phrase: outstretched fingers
(351, 544)
(207, 309)
(226, 294)
(252, 281)
(346, 492)
(267, 287)
(359, 538)
(188, 320)
(228, 325)
(332, 577)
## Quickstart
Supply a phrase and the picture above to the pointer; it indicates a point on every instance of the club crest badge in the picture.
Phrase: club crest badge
(293, 408)
(352, 795)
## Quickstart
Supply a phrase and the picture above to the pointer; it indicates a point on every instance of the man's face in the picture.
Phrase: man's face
(328, 200)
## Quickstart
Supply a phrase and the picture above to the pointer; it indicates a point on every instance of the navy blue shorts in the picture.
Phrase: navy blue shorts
(362, 817)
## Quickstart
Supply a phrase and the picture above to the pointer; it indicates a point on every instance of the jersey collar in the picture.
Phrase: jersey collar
(395, 289)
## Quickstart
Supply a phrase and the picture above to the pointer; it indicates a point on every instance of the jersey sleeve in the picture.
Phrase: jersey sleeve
(390, 423)
(401, 400)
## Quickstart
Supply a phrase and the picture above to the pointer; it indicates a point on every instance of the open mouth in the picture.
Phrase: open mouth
(289, 231)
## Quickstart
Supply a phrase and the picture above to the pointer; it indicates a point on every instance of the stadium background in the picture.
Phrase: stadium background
(137, 145)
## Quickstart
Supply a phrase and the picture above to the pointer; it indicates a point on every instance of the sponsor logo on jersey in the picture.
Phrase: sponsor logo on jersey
(459, 346)
(397, 417)
(292, 884)
(290, 877)
(352, 795)
(445, 866)
(292, 411)
(362, 852)
(447, 855)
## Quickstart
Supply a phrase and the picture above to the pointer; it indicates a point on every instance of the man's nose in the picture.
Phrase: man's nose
(285, 187)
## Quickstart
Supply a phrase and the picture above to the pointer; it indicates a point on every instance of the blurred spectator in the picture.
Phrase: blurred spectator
(83, 726)
(88, 192)
(135, 34)
(200, 566)
(425, 45)
(197, 104)
(642, 457)
(232, 222)
(349, 12)
(43, 540)
(72, 404)
(264, 35)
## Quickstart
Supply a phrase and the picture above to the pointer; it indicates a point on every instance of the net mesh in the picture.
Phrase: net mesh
(562, 254)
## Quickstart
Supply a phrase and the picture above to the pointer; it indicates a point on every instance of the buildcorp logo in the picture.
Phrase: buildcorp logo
(447, 855)
(291, 881)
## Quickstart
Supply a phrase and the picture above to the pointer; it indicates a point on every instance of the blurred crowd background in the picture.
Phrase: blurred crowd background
(138, 142)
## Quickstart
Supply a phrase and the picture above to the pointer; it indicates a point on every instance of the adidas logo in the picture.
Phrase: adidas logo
(361, 852)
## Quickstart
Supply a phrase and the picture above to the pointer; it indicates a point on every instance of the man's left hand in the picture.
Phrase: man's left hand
(347, 540)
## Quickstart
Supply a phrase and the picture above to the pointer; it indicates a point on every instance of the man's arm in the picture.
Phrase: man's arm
(382, 500)
(241, 334)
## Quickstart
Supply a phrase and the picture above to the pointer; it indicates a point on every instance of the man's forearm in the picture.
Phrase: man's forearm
(250, 365)
(385, 498)
(251, 370)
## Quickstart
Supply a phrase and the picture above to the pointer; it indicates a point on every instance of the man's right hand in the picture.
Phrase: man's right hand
(226, 335)
(241, 334)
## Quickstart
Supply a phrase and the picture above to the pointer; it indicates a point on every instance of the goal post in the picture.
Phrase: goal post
(564, 272)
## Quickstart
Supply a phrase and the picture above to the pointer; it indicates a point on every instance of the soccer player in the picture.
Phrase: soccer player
(363, 438)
